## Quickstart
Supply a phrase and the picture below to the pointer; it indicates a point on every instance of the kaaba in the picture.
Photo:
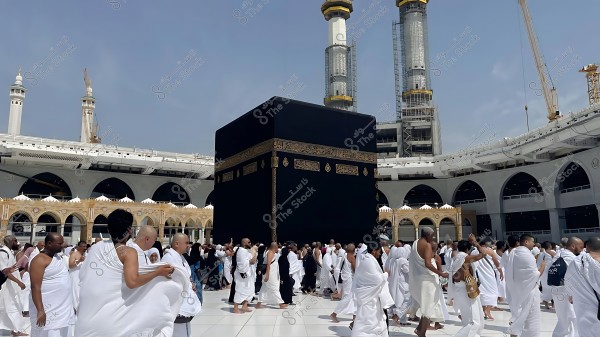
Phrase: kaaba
(295, 171)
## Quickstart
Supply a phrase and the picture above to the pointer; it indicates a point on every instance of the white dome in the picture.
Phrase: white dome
(76, 199)
(446, 206)
(126, 199)
(50, 199)
(405, 208)
(385, 209)
(21, 197)
(171, 204)
(102, 198)
(209, 207)
(148, 201)
(425, 207)
(190, 206)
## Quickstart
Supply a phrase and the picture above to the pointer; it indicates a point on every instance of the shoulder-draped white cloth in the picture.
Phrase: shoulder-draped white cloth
(56, 296)
(191, 304)
(523, 276)
(244, 287)
(372, 295)
(142, 258)
(486, 273)
(121, 311)
(269, 292)
(11, 316)
(347, 304)
(581, 280)
(295, 269)
(423, 285)
(470, 309)
(326, 276)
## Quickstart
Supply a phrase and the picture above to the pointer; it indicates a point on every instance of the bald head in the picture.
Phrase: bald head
(593, 245)
(575, 245)
(350, 248)
(146, 237)
(180, 243)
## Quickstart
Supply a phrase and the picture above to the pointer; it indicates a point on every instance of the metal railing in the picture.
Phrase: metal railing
(523, 196)
(581, 230)
(576, 188)
(472, 201)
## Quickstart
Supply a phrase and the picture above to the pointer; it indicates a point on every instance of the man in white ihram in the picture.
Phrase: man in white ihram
(523, 276)
(582, 281)
(565, 325)
(190, 306)
(372, 294)
(244, 284)
(423, 281)
(11, 317)
(51, 302)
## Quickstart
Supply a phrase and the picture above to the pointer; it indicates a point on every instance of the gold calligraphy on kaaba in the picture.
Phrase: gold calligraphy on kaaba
(250, 168)
(294, 147)
(346, 169)
(308, 165)
(228, 176)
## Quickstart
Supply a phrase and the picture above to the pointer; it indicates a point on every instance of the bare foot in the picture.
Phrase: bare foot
(246, 310)
(282, 306)
(237, 311)
(334, 317)
(259, 306)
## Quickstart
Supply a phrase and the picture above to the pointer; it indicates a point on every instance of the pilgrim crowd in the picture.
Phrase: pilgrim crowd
(110, 288)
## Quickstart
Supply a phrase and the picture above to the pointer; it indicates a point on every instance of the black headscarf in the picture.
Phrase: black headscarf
(158, 246)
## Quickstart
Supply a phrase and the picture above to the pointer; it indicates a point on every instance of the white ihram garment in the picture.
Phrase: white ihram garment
(244, 287)
(337, 269)
(11, 316)
(295, 269)
(424, 287)
(190, 306)
(57, 297)
(227, 263)
(486, 273)
(124, 311)
(372, 296)
(470, 308)
(501, 283)
(269, 292)
(326, 276)
(566, 325)
(26, 293)
(398, 281)
(581, 280)
(347, 305)
(546, 289)
(74, 274)
(523, 275)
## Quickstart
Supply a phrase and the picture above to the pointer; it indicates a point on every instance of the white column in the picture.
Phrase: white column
(498, 227)
(201, 238)
(32, 237)
(437, 233)
(557, 223)
(416, 233)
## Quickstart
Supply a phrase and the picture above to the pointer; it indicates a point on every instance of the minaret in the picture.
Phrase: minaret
(420, 124)
(340, 60)
(17, 96)
(88, 104)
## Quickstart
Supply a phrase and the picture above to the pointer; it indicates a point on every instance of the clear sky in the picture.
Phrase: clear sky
(234, 54)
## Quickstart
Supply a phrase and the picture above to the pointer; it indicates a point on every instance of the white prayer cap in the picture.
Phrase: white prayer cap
(535, 251)
(153, 250)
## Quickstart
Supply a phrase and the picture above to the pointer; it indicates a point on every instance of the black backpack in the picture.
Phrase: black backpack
(556, 273)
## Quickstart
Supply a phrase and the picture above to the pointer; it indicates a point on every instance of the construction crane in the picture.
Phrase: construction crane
(550, 95)
(593, 81)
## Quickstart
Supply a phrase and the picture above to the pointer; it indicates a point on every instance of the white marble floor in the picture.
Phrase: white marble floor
(310, 317)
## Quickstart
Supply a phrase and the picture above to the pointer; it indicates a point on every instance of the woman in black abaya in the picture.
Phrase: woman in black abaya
(287, 283)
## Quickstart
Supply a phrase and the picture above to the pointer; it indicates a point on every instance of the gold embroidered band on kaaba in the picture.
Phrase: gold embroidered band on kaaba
(300, 148)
